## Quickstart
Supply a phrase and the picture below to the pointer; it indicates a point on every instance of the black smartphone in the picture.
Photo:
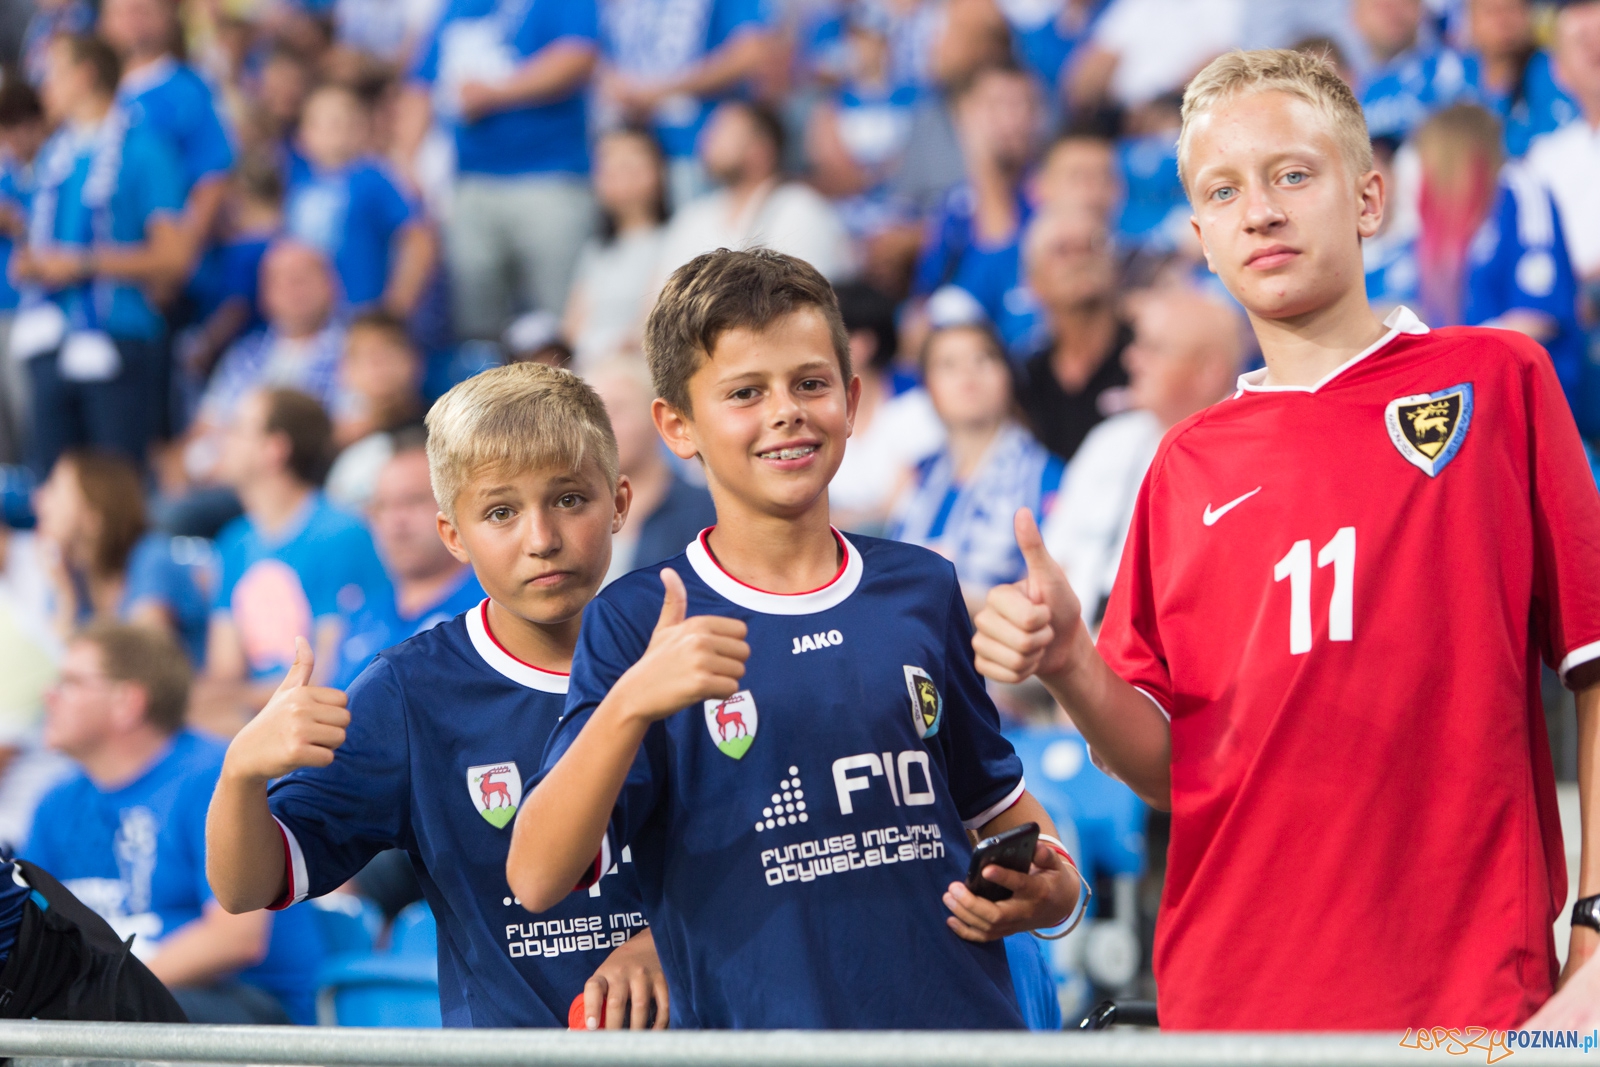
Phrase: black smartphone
(1012, 849)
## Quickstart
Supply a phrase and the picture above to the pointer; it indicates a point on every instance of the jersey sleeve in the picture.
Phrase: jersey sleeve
(1130, 636)
(563, 20)
(1566, 514)
(985, 771)
(161, 184)
(608, 644)
(731, 17)
(335, 818)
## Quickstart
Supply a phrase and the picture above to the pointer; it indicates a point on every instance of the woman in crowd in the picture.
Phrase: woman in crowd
(612, 280)
(101, 561)
(963, 497)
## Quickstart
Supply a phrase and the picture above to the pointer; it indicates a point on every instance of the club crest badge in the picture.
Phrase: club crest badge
(496, 790)
(732, 723)
(1428, 428)
(927, 706)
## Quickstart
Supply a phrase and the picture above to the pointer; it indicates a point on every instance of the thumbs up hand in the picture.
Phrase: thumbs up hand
(1029, 627)
(689, 660)
(301, 726)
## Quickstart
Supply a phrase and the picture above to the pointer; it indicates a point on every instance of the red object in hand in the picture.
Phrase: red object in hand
(578, 1019)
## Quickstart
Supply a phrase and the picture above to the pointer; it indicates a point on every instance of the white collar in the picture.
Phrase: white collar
(1401, 320)
(524, 674)
(146, 78)
(749, 597)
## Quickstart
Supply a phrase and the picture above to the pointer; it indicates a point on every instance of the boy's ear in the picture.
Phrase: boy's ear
(1198, 236)
(452, 538)
(675, 429)
(1373, 195)
(852, 402)
(621, 501)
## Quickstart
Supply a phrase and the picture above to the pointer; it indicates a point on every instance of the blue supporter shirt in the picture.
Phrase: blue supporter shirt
(379, 624)
(354, 215)
(275, 588)
(1044, 38)
(953, 255)
(1539, 105)
(1415, 84)
(137, 856)
(174, 102)
(486, 39)
(1518, 260)
(230, 269)
(793, 842)
(1149, 168)
(16, 192)
(173, 574)
(443, 729)
(136, 175)
(659, 39)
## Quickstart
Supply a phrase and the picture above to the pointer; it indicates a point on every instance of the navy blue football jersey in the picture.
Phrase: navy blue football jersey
(793, 842)
(443, 727)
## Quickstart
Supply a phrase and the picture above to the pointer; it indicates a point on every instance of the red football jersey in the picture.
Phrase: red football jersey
(1340, 595)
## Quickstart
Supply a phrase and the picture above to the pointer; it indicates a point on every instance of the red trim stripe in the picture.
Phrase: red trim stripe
(288, 872)
(484, 609)
(591, 876)
(844, 561)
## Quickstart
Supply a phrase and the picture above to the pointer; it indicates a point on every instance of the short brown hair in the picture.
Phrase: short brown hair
(1312, 78)
(150, 659)
(725, 290)
(522, 416)
(386, 324)
(301, 419)
(110, 486)
(87, 48)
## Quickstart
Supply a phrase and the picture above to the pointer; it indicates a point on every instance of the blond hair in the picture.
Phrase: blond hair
(1312, 78)
(518, 417)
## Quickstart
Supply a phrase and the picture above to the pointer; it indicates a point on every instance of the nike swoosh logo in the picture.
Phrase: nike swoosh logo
(1210, 517)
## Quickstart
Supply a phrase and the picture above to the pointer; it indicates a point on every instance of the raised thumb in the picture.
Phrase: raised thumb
(1033, 551)
(674, 606)
(300, 670)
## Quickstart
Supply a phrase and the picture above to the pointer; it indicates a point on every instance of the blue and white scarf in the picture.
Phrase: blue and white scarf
(655, 39)
(57, 160)
(978, 536)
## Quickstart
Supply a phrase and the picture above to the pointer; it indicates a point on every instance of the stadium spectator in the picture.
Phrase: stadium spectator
(1420, 76)
(1384, 31)
(160, 93)
(511, 81)
(895, 427)
(1568, 160)
(961, 498)
(742, 148)
(1047, 39)
(617, 268)
(536, 338)
(103, 229)
(127, 834)
(428, 584)
(1140, 50)
(1071, 374)
(300, 346)
(1515, 78)
(971, 240)
(105, 564)
(382, 381)
(224, 293)
(22, 133)
(279, 96)
(1184, 355)
(342, 202)
(291, 565)
(667, 512)
(668, 63)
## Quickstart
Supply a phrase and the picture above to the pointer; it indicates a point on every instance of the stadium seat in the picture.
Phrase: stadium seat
(415, 933)
(347, 923)
(379, 990)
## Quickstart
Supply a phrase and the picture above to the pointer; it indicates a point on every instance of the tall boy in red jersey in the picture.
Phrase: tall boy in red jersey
(1322, 651)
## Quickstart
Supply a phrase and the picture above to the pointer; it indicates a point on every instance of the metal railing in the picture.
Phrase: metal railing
(45, 1044)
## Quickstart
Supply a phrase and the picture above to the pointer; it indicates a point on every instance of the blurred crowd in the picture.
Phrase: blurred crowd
(247, 242)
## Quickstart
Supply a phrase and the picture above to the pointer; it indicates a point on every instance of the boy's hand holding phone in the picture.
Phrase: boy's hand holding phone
(1042, 897)
(688, 661)
(301, 726)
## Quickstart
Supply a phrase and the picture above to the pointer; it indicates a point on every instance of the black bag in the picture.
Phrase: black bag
(68, 963)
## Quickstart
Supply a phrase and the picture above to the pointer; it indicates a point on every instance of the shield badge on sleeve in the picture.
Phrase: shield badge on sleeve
(927, 706)
(496, 790)
(732, 723)
(1428, 428)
